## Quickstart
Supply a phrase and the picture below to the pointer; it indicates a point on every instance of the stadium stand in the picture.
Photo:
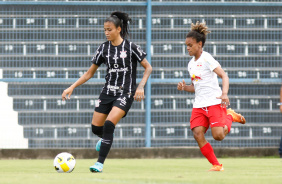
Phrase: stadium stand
(45, 48)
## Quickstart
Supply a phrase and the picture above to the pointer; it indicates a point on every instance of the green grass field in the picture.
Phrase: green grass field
(131, 171)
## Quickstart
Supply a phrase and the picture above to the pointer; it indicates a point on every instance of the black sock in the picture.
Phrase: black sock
(107, 141)
(97, 130)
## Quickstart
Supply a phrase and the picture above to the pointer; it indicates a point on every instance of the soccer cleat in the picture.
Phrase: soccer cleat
(97, 167)
(236, 117)
(98, 145)
(217, 168)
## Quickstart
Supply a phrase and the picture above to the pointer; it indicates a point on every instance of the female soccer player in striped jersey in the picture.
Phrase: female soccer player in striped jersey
(209, 108)
(121, 58)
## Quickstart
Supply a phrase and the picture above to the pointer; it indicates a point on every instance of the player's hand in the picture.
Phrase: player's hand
(67, 93)
(224, 100)
(281, 108)
(139, 94)
(181, 85)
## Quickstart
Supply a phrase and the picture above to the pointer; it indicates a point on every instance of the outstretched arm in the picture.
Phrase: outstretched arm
(85, 77)
(139, 94)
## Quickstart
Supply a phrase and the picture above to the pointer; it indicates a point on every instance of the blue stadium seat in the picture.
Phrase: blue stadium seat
(29, 22)
(39, 132)
(6, 22)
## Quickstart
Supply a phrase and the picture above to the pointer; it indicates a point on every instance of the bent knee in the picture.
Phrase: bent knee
(219, 137)
(97, 130)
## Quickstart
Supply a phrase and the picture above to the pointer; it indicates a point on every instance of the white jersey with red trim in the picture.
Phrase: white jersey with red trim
(205, 80)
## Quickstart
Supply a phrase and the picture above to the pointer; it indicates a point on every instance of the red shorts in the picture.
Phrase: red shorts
(214, 116)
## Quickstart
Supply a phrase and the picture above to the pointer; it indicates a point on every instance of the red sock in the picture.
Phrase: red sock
(207, 151)
(228, 122)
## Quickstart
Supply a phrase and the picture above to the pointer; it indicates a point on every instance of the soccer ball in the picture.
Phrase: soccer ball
(64, 163)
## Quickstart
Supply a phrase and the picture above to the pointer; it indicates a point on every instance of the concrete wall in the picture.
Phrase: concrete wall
(11, 133)
(137, 153)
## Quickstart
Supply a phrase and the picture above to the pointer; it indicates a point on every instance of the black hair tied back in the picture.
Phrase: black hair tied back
(199, 32)
(122, 20)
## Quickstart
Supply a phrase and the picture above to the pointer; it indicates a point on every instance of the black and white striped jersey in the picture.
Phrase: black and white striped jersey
(121, 62)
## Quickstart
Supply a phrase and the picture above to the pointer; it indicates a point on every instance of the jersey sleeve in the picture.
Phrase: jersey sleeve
(211, 63)
(98, 58)
(137, 52)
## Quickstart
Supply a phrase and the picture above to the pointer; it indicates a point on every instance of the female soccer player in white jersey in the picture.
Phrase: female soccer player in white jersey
(121, 58)
(209, 108)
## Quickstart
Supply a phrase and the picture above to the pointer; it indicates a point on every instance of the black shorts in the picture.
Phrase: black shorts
(106, 102)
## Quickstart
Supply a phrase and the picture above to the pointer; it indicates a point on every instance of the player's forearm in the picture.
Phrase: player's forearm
(86, 76)
(146, 75)
(80, 81)
(225, 84)
(189, 88)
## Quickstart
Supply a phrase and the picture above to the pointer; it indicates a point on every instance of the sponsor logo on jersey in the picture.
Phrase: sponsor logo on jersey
(118, 70)
(123, 54)
(112, 88)
(115, 88)
(195, 78)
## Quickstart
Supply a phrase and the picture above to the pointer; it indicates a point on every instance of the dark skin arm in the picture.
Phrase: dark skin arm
(225, 86)
(139, 94)
(181, 86)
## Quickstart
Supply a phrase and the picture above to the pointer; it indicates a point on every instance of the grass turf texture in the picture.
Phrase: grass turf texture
(139, 171)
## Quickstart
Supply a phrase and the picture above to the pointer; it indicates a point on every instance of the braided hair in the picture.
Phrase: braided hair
(122, 20)
(198, 32)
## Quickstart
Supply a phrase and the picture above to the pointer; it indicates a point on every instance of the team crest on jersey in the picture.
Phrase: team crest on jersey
(123, 54)
(199, 64)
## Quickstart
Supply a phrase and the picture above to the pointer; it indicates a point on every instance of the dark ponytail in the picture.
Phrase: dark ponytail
(122, 20)
(199, 32)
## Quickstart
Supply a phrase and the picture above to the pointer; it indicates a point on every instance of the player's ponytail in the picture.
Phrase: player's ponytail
(198, 32)
(122, 20)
